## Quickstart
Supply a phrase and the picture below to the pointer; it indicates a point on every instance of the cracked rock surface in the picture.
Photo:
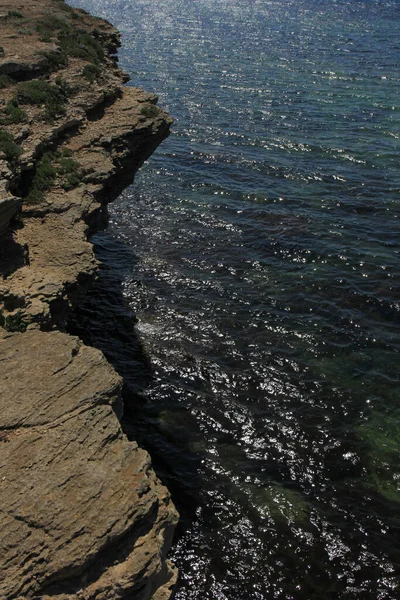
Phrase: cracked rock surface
(82, 513)
(100, 134)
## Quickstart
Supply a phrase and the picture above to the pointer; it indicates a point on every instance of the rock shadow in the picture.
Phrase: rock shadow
(13, 256)
(106, 321)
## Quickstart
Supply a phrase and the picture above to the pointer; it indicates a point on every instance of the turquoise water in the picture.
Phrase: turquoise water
(259, 251)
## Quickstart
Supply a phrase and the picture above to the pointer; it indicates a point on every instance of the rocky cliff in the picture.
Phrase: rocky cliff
(82, 513)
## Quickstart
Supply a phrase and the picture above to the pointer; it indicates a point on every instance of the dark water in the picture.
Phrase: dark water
(259, 249)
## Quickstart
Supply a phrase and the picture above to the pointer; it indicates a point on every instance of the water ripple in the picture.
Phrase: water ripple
(262, 261)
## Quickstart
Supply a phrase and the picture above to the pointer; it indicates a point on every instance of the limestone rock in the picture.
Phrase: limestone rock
(105, 132)
(82, 514)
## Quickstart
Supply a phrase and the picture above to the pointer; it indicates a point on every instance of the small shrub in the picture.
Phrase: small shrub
(43, 179)
(67, 165)
(7, 145)
(14, 114)
(1, 51)
(36, 91)
(25, 31)
(14, 323)
(91, 72)
(71, 181)
(73, 12)
(149, 110)
(81, 44)
(69, 170)
(5, 81)
(50, 166)
(64, 86)
(66, 152)
(41, 92)
(72, 42)
(53, 111)
(55, 59)
(48, 27)
(46, 38)
(14, 14)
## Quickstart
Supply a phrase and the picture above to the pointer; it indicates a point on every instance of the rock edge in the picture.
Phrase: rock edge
(82, 514)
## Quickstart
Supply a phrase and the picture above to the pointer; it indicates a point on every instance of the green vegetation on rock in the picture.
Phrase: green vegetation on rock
(13, 113)
(81, 44)
(72, 41)
(25, 31)
(48, 26)
(43, 179)
(41, 92)
(55, 59)
(13, 322)
(72, 11)
(149, 110)
(5, 81)
(14, 14)
(8, 146)
(69, 171)
(91, 72)
(65, 88)
(53, 167)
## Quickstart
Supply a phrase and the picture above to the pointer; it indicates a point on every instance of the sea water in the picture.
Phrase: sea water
(259, 250)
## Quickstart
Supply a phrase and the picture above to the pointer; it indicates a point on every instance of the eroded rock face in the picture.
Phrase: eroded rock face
(82, 513)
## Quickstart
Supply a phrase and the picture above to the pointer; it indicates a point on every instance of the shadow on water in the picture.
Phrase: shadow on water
(278, 530)
(107, 322)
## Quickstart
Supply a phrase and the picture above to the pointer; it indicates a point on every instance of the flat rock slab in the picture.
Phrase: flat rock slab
(82, 514)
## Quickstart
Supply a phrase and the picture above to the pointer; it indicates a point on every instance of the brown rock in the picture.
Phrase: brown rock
(82, 513)
(109, 138)
(8, 207)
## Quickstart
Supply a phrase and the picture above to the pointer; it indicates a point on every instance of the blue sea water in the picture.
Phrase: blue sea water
(259, 250)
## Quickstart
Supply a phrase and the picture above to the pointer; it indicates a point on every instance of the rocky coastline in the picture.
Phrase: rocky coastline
(82, 514)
